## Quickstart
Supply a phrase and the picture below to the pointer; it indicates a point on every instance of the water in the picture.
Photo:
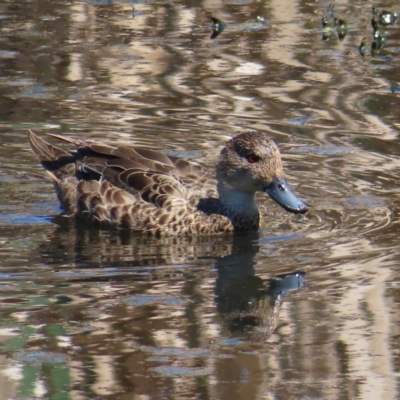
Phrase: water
(305, 309)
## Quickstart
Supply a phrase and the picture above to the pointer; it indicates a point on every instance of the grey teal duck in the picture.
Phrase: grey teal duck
(149, 192)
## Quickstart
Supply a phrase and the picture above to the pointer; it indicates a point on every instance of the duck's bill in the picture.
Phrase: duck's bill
(279, 191)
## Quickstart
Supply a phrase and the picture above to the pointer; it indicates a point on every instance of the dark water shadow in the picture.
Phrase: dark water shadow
(248, 304)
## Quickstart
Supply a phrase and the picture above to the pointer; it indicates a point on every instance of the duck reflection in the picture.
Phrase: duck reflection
(77, 245)
(136, 310)
(248, 304)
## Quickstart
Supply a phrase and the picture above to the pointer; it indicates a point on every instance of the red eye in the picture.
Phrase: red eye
(252, 158)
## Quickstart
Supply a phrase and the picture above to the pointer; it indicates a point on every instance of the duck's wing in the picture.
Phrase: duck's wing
(199, 181)
(154, 177)
(159, 183)
(96, 157)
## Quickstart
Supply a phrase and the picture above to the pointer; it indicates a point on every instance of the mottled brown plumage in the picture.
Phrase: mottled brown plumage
(150, 192)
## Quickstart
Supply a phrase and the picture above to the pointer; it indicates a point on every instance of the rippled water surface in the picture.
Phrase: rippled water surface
(308, 308)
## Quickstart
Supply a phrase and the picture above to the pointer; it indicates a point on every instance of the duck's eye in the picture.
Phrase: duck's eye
(252, 158)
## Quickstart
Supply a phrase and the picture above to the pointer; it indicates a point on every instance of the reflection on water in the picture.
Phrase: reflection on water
(246, 304)
(125, 328)
(89, 313)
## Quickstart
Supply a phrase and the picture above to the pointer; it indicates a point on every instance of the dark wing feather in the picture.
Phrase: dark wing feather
(124, 164)
(154, 156)
(78, 142)
(104, 150)
(136, 179)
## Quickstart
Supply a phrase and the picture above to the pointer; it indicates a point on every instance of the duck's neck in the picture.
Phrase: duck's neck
(241, 208)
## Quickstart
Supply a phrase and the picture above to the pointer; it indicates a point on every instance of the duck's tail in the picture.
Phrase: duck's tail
(57, 163)
(61, 167)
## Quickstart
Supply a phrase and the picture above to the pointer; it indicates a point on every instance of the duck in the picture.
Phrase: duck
(152, 193)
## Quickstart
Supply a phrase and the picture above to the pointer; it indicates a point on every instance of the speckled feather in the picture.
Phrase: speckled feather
(150, 192)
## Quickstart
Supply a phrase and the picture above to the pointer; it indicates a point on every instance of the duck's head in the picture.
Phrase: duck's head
(251, 162)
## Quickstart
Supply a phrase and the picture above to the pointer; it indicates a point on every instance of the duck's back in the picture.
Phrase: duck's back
(139, 189)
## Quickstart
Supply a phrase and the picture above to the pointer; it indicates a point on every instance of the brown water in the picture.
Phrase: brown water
(306, 309)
